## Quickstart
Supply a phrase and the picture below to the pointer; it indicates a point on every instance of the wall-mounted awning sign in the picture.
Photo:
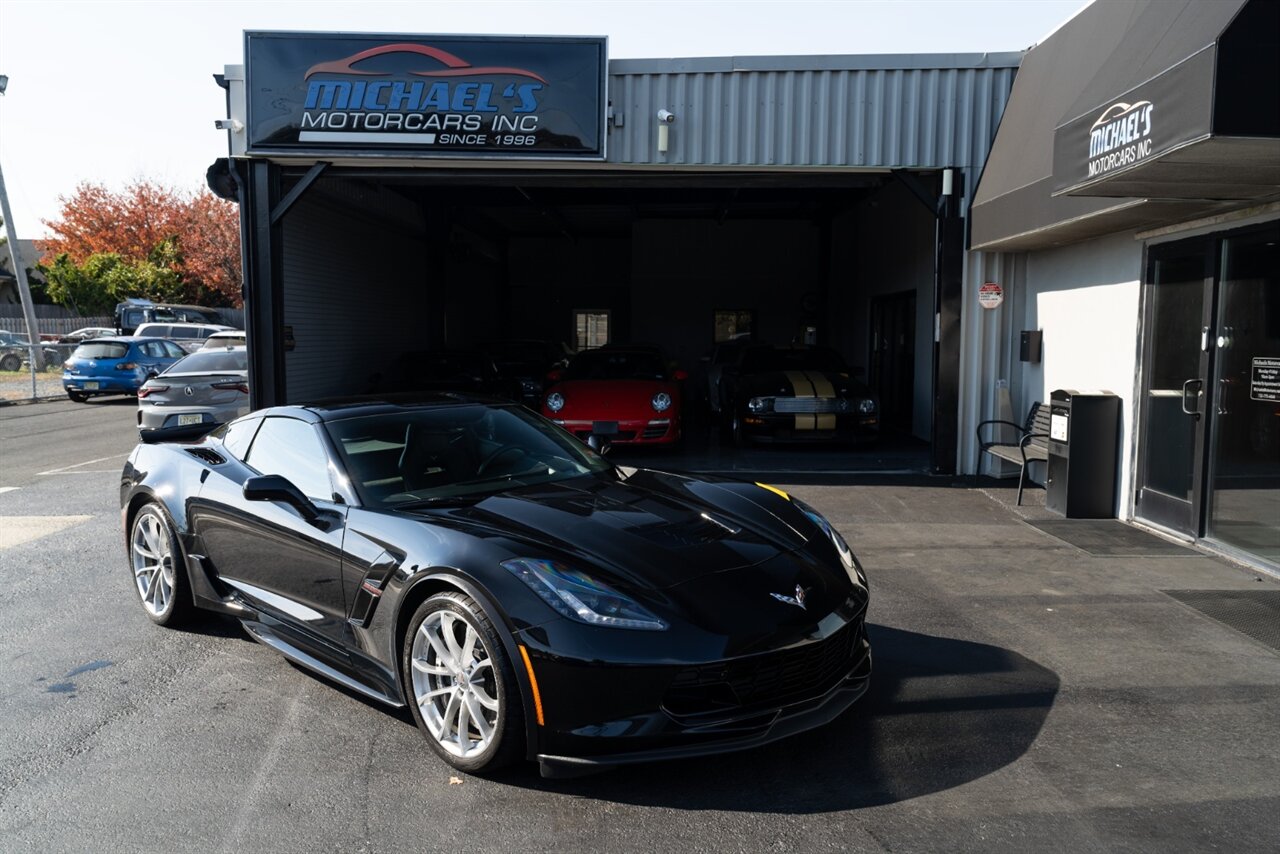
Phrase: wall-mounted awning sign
(485, 97)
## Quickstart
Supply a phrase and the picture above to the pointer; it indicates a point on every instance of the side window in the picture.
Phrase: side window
(238, 435)
(292, 449)
(174, 351)
(152, 349)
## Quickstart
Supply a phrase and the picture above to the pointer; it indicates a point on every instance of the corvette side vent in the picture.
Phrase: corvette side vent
(213, 458)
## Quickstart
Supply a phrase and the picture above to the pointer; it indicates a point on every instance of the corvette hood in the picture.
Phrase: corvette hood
(650, 531)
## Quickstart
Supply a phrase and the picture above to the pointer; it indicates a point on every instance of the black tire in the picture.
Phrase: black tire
(10, 362)
(506, 744)
(77, 396)
(154, 542)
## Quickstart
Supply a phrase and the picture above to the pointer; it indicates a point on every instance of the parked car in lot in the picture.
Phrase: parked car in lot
(620, 393)
(85, 333)
(15, 350)
(521, 596)
(118, 365)
(796, 394)
(228, 338)
(206, 388)
(189, 336)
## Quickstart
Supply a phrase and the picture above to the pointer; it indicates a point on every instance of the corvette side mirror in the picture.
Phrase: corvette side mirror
(273, 487)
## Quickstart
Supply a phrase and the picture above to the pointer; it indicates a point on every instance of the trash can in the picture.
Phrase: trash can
(1084, 430)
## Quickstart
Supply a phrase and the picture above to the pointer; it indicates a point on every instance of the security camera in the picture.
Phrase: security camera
(232, 125)
(666, 116)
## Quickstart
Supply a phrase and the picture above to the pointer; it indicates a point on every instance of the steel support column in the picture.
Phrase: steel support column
(948, 300)
(263, 294)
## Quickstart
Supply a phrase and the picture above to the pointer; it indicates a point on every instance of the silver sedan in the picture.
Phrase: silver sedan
(206, 388)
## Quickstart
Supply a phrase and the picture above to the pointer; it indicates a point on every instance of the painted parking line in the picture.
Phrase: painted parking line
(71, 469)
(4, 489)
(16, 530)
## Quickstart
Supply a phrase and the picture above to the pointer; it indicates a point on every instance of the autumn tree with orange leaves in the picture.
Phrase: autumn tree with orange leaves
(147, 240)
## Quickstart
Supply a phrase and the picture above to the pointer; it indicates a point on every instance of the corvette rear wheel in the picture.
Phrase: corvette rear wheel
(464, 693)
(158, 572)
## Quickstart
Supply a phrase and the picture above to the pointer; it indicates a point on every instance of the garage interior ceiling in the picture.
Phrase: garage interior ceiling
(534, 205)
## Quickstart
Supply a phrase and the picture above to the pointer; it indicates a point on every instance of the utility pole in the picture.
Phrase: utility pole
(20, 273)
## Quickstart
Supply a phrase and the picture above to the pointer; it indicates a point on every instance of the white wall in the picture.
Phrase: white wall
(1085, 298)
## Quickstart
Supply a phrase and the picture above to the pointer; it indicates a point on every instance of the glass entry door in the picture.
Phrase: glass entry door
(1244, 462)
(1209, 448)
(1176, 361)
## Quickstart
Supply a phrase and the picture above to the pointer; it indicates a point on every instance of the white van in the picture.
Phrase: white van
(189, 336)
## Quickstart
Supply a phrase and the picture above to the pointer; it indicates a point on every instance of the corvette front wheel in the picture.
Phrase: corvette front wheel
(463, 691)
(159, 575)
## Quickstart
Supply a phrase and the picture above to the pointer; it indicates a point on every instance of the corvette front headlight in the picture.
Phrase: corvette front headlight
(847, 559)
(580, 597)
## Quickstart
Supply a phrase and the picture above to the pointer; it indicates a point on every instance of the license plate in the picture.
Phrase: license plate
(91, 386)
(194, 418)
(604, 428)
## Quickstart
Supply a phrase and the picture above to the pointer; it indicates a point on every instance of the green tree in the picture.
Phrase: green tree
(105, 279)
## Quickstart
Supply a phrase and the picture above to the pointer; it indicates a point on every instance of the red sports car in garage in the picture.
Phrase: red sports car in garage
(618, 393)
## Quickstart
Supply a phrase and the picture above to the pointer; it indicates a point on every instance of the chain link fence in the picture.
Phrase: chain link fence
(19, 380)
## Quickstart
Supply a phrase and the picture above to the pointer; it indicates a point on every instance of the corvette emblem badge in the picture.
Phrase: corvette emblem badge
(797, 600)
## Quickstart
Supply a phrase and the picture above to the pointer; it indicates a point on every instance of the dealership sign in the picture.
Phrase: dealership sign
(425, 96)
(1130, 130)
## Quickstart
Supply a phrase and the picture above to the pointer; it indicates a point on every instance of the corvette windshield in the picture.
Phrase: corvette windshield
(419, 457)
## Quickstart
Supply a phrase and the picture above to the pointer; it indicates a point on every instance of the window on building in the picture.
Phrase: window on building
(734, 324)
(590, 328)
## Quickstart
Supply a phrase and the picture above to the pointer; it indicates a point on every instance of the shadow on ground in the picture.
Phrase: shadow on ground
(940, 713)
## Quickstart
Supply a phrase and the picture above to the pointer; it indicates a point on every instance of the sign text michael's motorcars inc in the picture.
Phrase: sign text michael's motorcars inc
(425, 96)
(1162, 114)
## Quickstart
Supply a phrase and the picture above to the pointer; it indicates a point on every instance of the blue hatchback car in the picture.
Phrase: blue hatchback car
(118, 365)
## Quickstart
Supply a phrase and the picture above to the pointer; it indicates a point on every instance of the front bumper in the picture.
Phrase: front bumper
(652, 431)
(780, 427)
(599, 716)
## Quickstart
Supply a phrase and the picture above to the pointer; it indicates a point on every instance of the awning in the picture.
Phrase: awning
(1135, 115)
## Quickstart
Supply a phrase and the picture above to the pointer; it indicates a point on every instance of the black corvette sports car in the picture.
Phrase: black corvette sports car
(796, 394)
(524, 597)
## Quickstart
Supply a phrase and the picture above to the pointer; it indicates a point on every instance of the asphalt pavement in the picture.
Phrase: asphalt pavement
(1028, 695)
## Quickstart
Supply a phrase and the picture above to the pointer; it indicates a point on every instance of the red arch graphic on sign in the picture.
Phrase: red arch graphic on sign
(456, 66)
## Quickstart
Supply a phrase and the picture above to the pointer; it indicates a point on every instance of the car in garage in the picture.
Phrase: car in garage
(524, 598)
(206, 388)
(116, 365)
(801, 394)
(618, 393)
(461, 370)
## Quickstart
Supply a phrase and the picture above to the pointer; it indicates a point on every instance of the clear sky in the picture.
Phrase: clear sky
(109, 91)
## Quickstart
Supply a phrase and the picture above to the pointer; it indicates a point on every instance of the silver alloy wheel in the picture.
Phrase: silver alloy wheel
(454, 684)
(152, 556)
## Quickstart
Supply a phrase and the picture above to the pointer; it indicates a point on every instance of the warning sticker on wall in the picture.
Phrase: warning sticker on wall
(990, 295)
(1264, 381)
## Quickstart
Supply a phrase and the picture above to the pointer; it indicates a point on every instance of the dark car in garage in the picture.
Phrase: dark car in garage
(800, 394)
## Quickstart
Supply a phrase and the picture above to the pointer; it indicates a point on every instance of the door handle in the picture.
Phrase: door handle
(1223, 385)
(1199, 384)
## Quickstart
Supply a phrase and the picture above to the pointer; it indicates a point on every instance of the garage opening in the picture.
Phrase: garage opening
(377, 267)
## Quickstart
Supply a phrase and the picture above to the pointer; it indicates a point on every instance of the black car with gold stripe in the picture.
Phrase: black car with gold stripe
(796, 394)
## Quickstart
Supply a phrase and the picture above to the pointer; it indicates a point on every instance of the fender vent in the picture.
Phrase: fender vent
(213, 458)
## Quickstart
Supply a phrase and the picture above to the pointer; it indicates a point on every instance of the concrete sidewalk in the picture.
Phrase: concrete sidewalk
(1042, 696)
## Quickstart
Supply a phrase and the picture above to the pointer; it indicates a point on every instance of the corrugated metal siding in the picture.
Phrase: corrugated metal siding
(352, 267)
(868, 118)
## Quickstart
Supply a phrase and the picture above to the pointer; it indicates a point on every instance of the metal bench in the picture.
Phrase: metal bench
(1032, 444)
